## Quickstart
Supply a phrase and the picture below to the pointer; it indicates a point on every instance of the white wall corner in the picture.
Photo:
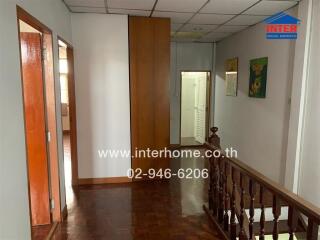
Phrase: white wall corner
(298, 98)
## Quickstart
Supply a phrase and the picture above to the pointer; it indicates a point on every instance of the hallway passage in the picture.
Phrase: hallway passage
(168, 209)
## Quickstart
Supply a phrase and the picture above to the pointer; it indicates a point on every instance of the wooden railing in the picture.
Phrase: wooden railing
(235, 187)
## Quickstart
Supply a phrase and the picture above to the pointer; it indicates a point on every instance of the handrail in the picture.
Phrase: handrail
(227, 196)
(304, 206)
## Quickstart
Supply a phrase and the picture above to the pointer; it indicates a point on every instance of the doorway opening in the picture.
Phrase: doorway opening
(38, 92)
(195, 105)
(65, 117)
(68, 117)
(35, 123)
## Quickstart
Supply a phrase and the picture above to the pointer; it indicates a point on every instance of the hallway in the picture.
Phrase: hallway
(95, 92)
(169, 209)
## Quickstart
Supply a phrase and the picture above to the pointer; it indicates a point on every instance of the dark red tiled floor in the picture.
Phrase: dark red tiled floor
(169, 209)
(40, 232)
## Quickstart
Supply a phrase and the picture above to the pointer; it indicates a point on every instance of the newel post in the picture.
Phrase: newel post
(214, 139)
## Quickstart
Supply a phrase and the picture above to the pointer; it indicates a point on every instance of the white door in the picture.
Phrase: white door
(200, 108)
(187, 106)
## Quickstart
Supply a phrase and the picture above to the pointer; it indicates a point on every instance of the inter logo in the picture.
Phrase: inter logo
(282, 26)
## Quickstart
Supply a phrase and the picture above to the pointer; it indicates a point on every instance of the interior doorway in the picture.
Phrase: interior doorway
(68, 117)
(195, 105)
(65, 117)
(38, 94)
(35, 123)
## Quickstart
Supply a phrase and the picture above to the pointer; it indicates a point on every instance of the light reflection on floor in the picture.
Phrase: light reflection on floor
(67, 169)
(157, 210)
(281, 237)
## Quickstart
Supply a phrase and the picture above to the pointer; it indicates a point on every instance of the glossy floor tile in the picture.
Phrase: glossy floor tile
(67, 168)
(167, 209)
(40, 232)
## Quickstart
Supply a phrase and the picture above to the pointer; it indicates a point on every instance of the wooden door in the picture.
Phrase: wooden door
(149, 88)
(161, 88)
(72, 116)
(35, 127)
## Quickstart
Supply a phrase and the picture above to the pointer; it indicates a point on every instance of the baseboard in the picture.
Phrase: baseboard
(52, 230)
(191, 147)
(92, 181)
(179, 146)
(174, 146)
(64, 213)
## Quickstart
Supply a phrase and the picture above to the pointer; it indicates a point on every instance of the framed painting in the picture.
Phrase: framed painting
(231, 68)
(258, 77)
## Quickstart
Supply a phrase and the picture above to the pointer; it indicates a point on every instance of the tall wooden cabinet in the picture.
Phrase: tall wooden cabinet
(149, 41)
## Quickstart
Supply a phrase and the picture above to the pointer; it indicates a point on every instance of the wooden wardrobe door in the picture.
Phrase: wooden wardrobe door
(161, 86)
(35, 125)
(149, 88)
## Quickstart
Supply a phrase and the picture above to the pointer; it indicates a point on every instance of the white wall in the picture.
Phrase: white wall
(185, 56)
(298, 99)
(310, 153)
(14, 203)
(257, 128)
(306, 95)
(102, 92)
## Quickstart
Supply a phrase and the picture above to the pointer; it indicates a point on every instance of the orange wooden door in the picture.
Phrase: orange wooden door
(73, 116)
(149, 88)
(35, 125)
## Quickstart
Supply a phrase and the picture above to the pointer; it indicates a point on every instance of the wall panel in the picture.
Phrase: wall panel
(149, 87)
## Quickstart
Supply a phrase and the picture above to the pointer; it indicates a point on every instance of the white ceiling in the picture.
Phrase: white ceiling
(191, 20)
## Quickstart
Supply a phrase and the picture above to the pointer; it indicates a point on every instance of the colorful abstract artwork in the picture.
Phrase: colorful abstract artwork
(258, 77)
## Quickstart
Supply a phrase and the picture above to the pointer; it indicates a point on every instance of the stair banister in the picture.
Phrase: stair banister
(230, 195)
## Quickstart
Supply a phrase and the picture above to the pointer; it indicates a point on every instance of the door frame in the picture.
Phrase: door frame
(72, 113)
(50, 108)
(208, 103)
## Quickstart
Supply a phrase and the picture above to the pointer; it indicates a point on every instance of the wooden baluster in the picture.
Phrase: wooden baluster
(233, 226)
(252, 192)
(292, 221)
(276, 210)
(262, 216)
(313, 230)
(221, 191)
(215, 187)
(242, 234)
(226, 198)
(210, 191)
